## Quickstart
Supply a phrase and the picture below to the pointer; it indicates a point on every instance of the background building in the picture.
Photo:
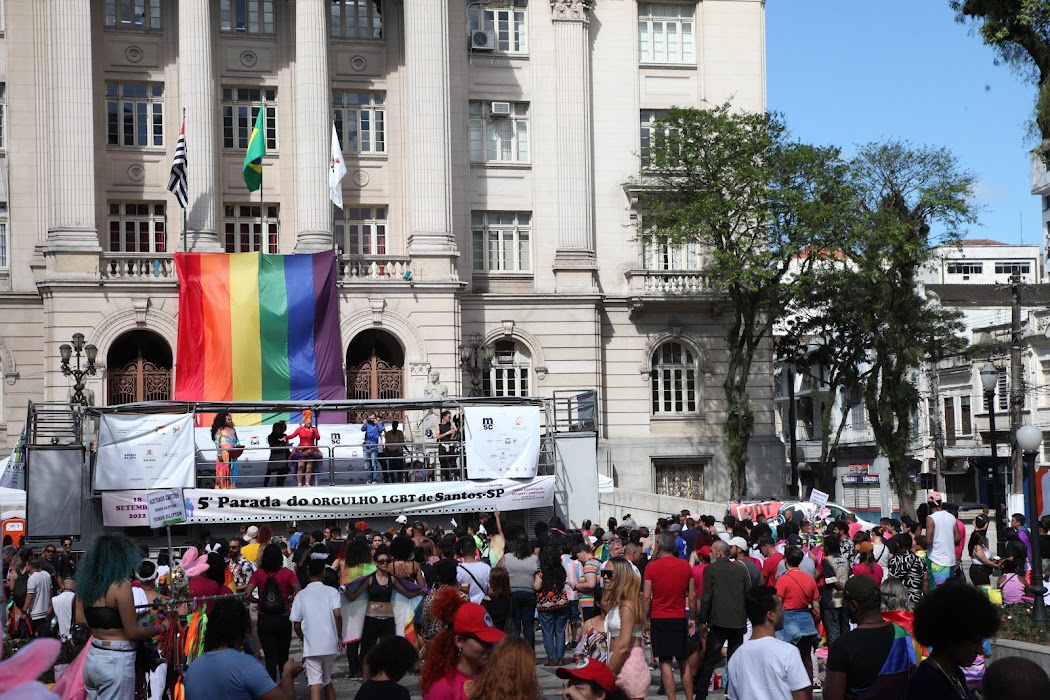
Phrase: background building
(488, 146)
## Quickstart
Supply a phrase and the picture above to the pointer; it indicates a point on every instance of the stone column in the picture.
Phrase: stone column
(71, 139)
(197, 95)
(431, 242)
(313, 128)
(574, 263)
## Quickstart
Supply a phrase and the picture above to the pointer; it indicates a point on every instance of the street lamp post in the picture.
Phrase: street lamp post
(1028, 439)
(475, 358)
(989, 380)
(78, 374)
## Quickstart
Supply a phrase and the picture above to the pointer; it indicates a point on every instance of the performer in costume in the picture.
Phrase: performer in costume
(306, 453)
(228, 449)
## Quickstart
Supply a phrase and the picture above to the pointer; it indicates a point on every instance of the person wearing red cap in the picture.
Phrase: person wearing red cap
(591, 680)
(459, 653)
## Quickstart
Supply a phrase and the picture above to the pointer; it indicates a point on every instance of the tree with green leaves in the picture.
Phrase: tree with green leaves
(757, 203)
(1019, 31)
(825, 338)
(904, 193)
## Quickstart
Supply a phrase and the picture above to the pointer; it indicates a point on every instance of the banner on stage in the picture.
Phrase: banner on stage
(502, 442)
(340, 441)
(145, 452)
(129, 508)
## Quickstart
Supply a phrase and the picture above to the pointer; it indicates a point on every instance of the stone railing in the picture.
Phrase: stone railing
(670, 282)
(137, 267)
(361, 268)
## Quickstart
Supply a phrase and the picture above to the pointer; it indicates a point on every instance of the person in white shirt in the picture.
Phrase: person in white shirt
(942, 536)
(319, 626)
(765, 668)
(62, 607)
(38, 597)
(472, 574)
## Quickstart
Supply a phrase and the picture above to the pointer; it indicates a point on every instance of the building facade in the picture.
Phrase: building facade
(487, 232)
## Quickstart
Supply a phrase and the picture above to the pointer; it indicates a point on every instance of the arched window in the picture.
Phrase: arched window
(509, 373)
(674, 379)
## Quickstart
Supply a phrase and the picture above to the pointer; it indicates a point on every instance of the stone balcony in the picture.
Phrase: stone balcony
(649, 287)
(136, 268)
(159, 268)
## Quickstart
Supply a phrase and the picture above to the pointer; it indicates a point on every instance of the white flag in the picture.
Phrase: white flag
(336, 172)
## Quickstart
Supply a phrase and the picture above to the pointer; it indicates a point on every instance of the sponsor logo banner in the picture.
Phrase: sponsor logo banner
(124, 508)
(502, 442)
(144, 452)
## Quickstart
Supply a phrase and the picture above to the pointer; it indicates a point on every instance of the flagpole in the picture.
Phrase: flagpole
(185, 245)
(262, 206)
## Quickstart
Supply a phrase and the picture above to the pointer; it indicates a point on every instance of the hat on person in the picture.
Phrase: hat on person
(401, 520)
(794, 540)
(473, 619)
(361, 525)
(863, 590)
(591, 670)
(252, 532)
(980, 522)
(694, 517)
(934, 496)
(676, 528)
(738, 542)
(705, 551)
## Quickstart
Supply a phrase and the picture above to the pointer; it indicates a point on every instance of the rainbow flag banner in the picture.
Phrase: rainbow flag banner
(258, 327)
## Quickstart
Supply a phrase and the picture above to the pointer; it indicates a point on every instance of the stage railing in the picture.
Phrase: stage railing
(341, 465)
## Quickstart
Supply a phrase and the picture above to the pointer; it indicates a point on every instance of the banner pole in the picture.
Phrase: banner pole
(185, 246)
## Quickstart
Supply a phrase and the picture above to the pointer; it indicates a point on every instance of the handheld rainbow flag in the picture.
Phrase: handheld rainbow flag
(258, 327)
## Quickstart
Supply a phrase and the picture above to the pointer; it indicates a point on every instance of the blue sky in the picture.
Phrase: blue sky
(847, 72)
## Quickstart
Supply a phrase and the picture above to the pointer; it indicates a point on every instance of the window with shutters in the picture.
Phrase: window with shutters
(965, 415)
(665, 32)
(247, 231)
(509, 374)
(673, 380)
(356, 19)
(949, 421)
(132, 14)
(246, 16)
(134, 114)
(137, 227)
(360, 120)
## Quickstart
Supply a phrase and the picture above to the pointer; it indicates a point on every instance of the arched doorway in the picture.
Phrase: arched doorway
(375, 370)
(138, 368)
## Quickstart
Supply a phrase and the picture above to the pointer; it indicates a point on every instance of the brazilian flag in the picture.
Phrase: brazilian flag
(256, 150)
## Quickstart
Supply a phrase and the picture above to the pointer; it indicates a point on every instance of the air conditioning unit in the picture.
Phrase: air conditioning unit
(499, 109)
(481, 40)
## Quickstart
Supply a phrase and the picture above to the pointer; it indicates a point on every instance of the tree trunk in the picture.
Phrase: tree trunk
(739, 425)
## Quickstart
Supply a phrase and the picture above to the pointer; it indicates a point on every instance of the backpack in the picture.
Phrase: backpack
(271, 602)
(20, 590)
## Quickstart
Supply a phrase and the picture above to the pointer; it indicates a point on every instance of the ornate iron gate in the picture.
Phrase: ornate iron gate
(140, 380)
(375, 379)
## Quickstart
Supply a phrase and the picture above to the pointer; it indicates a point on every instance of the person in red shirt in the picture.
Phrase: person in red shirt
(306, 453)
(867, 566)
(668, 600)
(771, 562)
(801, 607)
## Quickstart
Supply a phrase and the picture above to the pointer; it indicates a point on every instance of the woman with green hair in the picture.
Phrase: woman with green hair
(105, 604)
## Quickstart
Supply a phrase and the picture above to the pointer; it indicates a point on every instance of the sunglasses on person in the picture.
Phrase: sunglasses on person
(607, 574)
(382, 561)
(49, 550)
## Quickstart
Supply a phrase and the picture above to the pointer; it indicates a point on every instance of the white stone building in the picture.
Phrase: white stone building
(488, 146)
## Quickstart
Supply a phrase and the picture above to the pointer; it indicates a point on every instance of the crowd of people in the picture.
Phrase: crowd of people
(754, 609)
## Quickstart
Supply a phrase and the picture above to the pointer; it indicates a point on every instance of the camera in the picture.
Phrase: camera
(371, 422)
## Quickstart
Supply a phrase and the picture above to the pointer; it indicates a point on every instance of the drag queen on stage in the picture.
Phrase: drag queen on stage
(228, 449)
(306, 453)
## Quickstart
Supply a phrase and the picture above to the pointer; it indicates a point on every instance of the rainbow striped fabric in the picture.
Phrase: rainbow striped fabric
(254, 326)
